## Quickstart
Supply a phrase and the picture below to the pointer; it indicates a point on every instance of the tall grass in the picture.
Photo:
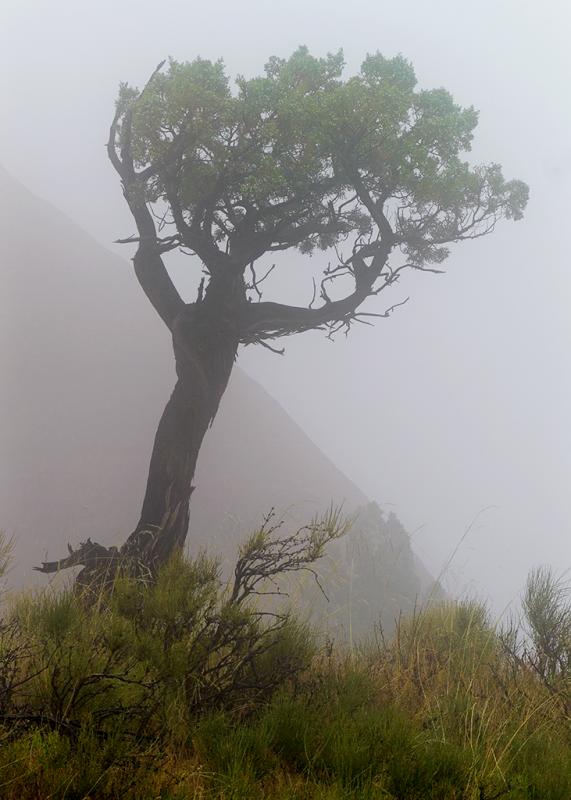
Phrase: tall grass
(182, 690)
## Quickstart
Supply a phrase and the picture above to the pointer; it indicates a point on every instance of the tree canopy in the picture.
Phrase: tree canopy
(301, 157)
(369, 170)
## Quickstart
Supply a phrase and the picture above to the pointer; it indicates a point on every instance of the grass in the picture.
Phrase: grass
(175, 691)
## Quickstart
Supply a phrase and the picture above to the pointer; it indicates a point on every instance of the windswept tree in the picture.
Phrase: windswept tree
(367, 173)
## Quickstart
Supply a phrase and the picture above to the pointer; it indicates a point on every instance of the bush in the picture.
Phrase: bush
(145, 659)
(188, 688)
(547, 612)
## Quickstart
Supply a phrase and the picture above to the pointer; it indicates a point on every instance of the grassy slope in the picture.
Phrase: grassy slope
(176, 692)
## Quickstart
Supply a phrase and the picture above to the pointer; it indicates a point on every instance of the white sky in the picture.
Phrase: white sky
(459, 402)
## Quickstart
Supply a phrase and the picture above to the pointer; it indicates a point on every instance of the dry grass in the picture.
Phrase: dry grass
(169, 692)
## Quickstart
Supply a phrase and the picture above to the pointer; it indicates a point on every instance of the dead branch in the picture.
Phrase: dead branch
(264, 557)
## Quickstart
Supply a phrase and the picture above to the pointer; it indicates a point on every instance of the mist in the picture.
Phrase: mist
(454, 411)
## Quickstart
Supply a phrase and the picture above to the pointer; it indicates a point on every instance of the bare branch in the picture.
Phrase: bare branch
(267, 320)
(386, 313)
(280, 351)
(264, 557)
(149, 267)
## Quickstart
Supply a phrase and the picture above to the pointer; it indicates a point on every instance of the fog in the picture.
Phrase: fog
(454, 412)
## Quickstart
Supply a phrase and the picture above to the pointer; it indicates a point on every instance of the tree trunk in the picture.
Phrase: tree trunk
(205, 347)
(205, 336)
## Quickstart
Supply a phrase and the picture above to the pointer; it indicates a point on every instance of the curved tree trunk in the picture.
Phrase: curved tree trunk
(205, 341)
(205, 347)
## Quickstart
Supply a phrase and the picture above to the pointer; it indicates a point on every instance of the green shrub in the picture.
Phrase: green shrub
(187, 688)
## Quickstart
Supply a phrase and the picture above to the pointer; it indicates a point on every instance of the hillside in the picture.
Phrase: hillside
(86, 370)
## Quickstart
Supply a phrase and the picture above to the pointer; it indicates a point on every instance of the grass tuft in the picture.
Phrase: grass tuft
(187, 688)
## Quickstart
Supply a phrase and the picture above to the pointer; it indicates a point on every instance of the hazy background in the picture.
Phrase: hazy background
(461, 400)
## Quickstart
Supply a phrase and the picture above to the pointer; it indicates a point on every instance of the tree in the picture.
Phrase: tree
(368, 171)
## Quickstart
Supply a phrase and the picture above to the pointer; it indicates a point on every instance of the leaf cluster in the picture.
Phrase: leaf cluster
(300, 157)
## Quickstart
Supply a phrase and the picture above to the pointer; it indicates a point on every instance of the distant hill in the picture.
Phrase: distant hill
(86, 368)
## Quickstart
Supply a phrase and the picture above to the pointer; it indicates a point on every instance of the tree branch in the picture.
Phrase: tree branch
(267, 320)
(149, 266)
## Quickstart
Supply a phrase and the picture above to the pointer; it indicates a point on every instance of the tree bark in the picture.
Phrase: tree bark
(205, 345)
(205, 342)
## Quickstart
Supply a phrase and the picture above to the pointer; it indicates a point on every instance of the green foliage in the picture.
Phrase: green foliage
(547, 610)
(301, 157)
(115, 700)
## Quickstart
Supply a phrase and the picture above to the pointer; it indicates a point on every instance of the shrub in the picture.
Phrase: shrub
(189, 688)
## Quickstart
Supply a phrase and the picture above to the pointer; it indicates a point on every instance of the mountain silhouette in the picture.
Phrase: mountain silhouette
(86, 368)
